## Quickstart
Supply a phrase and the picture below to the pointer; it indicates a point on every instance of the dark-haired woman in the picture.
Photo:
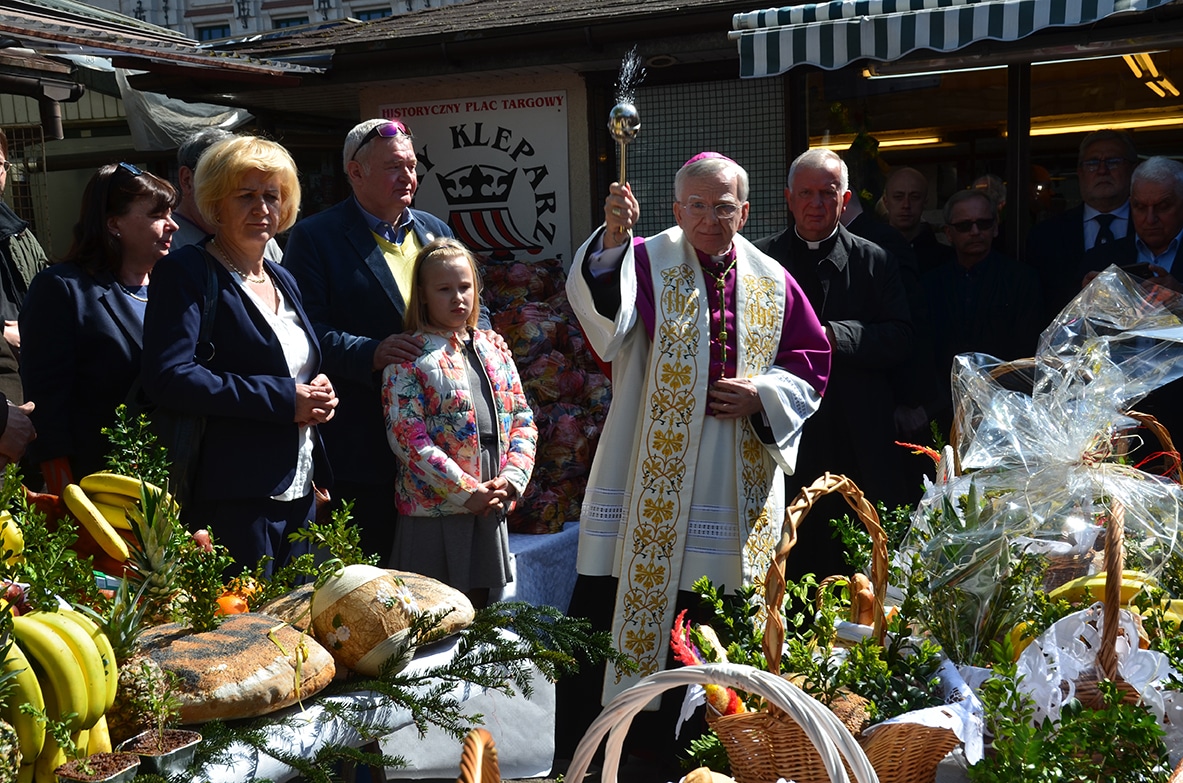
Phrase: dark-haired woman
(82, 324)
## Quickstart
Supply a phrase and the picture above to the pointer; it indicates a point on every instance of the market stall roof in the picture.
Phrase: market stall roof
(63, 27)
(834, 34)
(476, 40)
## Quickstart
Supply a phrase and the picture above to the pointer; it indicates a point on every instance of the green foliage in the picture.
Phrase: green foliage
(159, 702)
(735, 620)
(135, 450)
(50, 567)
(707, 751)
(1118, 742)
(199, 577)
(485, 656)
(856, 541)
(60, 731)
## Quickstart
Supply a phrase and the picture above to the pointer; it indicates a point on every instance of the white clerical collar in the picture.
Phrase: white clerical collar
(815, 245)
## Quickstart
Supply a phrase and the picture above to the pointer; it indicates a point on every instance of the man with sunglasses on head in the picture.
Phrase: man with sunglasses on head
(1105, 161)
(353, 264)
(855, 288)
(982, 301)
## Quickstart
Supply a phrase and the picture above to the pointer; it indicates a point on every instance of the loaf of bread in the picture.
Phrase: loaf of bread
(245, 668)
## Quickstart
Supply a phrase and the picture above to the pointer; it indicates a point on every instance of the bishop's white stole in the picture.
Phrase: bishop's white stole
(646, 508)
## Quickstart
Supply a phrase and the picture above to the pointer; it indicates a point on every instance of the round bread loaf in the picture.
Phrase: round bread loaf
(362, 615)
(431, 596)
(238, 671)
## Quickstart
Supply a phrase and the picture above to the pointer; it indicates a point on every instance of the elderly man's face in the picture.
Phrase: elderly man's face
(696, 211)
(816, 200)
(1104, 186)
(972, 230)
(383, 176)
(904, 197)
(1157, 212)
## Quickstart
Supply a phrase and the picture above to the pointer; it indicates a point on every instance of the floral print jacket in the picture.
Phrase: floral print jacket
(431, 424)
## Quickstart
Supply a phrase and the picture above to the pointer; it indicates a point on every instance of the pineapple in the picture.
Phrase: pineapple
(140, 678)
(124, 622)
(158, 531)
(10, 752)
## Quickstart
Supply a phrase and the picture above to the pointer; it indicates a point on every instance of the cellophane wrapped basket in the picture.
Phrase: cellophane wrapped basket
(769, 744)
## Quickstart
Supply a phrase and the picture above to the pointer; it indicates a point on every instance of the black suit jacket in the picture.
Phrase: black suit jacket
(80, 355)
(1056, 249)
(857, 292)
(354, 303)
(1123, 252)
(245, 390)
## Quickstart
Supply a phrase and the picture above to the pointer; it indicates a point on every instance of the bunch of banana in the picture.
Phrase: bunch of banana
(102, 502)
(12, 540)
(69, 667)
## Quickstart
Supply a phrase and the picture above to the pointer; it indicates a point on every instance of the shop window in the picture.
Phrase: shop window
(294, 21)
(213, 32)
(372, 13)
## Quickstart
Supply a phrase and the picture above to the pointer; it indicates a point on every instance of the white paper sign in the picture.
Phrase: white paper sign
(495, 169)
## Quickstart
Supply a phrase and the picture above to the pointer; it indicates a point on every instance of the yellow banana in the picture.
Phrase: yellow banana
(52, 757)
(1092, 587)
(115, 484)
(116, 516)
(99, 740)
(25, 774)
(113, 499)
(106, 651)
(63, 683)
(25, 691)
(82, 508)
(88, 659)
(11, 539)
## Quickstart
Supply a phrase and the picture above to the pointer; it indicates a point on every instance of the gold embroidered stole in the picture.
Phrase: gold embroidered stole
(673, 411)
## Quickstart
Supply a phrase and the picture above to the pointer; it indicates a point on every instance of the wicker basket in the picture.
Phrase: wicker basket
(478, 759)
(833, 744)
(766, 745)
(1106, 668)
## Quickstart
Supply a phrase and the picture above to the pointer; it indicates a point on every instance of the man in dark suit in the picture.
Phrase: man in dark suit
(353, 264)
(1156, 212)
(905, 194)
(1056, 246)
(857, 294)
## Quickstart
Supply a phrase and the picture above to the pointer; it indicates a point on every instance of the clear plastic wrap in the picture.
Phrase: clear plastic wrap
(1041, 446)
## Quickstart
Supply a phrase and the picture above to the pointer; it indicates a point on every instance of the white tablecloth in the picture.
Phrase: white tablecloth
(543, 567)
(522, 728)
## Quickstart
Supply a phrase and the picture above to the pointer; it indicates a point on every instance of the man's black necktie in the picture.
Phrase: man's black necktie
(1105, 233)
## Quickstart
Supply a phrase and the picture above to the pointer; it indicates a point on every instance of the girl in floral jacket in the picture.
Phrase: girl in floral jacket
(458, 420)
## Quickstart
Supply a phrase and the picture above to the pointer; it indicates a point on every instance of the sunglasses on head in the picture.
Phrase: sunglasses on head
(135, 171)
(965, 226)
(387, 130)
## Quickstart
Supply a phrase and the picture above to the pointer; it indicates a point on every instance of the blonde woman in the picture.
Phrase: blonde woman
(256, 381)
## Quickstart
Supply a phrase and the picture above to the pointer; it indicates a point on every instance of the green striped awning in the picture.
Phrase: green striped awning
(833, 34)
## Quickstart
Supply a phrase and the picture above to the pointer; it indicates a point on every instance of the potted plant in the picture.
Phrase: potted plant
(162, 749)
(103, 767)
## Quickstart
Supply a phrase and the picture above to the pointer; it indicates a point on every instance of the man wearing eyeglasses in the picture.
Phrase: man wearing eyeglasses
(717, 359)
(1055, 247)
(353, 264)
(982, 301)
(856, 290)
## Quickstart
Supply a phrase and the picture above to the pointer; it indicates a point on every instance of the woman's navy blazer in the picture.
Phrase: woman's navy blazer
(244, 390)
(80, 356)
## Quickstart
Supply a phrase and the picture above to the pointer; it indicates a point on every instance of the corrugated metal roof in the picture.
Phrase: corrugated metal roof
(489, 18)
(60, 26)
